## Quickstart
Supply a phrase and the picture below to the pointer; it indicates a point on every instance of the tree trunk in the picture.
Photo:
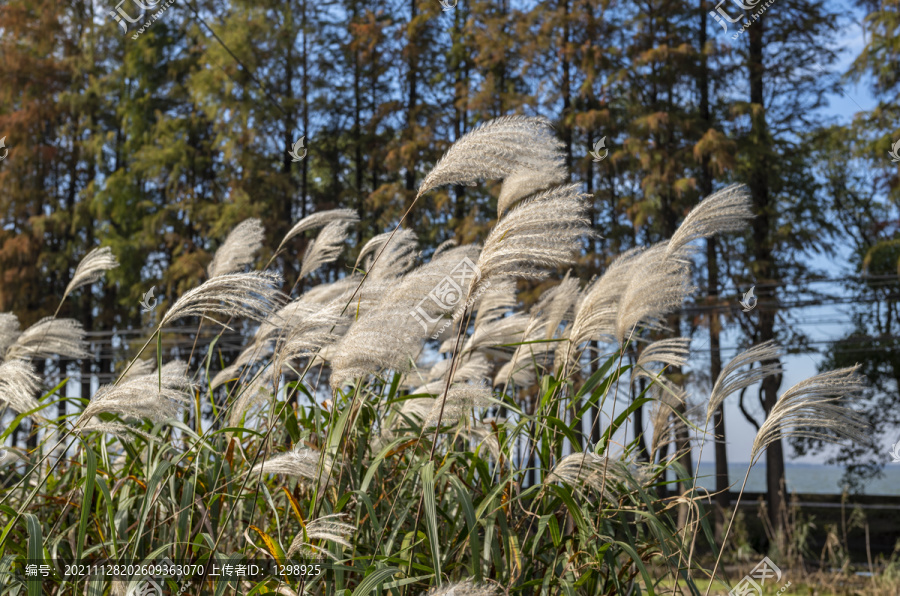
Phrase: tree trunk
(763, 261)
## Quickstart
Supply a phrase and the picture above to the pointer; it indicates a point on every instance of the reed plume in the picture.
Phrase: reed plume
(814, 409)
(325, 248)
(317, 220)
(239, 248)
(50, 337)
(155, 396)
(396, 259)
(91, 268)
(18, 385)
(727, 210)
(251, 295)
(586, 470)
(524, 182)
(539, 234)
(391, 334)
(671, 352)
(300, 462)
(733, 379)
(328, 527)
(9, 330)
(494, 150)
(460, 401)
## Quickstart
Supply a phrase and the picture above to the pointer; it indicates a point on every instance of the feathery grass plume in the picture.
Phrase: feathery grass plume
(495, 149)
(328, 527)
(50, 337)
(668, 399)
(91, 268)
(673, 351)
(391, 334)
(494, 303)
(18, 385)
(659, 284)
(727, 210)
(9, 456)
(446, 244)
(258, 390)
(525, 182)
(485, 436)
(498, 332)
(239, 248)
(540, 233)
(597, 307)
(396, 259)
(733, 379)
(472, 369)
(139, 368)
(583, 471)
(325, 248)
(112, 428)
(144, 397)
(813, 409)
(461, 399)
(317, 220)
(300, 462)
(9, 330)
(464, 588)
(250, 295)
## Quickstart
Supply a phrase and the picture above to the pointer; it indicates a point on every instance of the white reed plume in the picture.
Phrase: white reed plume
(397, 257)
(727, 210)
(671, 352)
(391, 334)
(50, 337)
(669, 399)
(815, 409)
(300, 462)
(325, 248)
(460, 401)
(257, 391)
(239, 248)
(452, 243)
(497, 332)
(464, 588)
(317, 220)
(733, 379)
(155, 396)
(113, 428)
(597, 307)
(91, 268)
(18, 385)
(328, 527)
(9, 330)
(584, 471)
(525, 182)
(484, 435)
(138, 368)
(9, 455)
(495, 150)
(471, 369)
(250, 295)
(539, 234)
(659, 284)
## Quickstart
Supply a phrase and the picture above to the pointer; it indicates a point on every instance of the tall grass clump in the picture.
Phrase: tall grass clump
(410, 426)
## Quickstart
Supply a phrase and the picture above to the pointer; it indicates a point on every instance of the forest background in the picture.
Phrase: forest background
(155, 133)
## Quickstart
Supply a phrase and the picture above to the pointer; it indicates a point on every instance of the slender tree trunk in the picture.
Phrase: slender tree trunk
(763, 262)
(412, 98)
